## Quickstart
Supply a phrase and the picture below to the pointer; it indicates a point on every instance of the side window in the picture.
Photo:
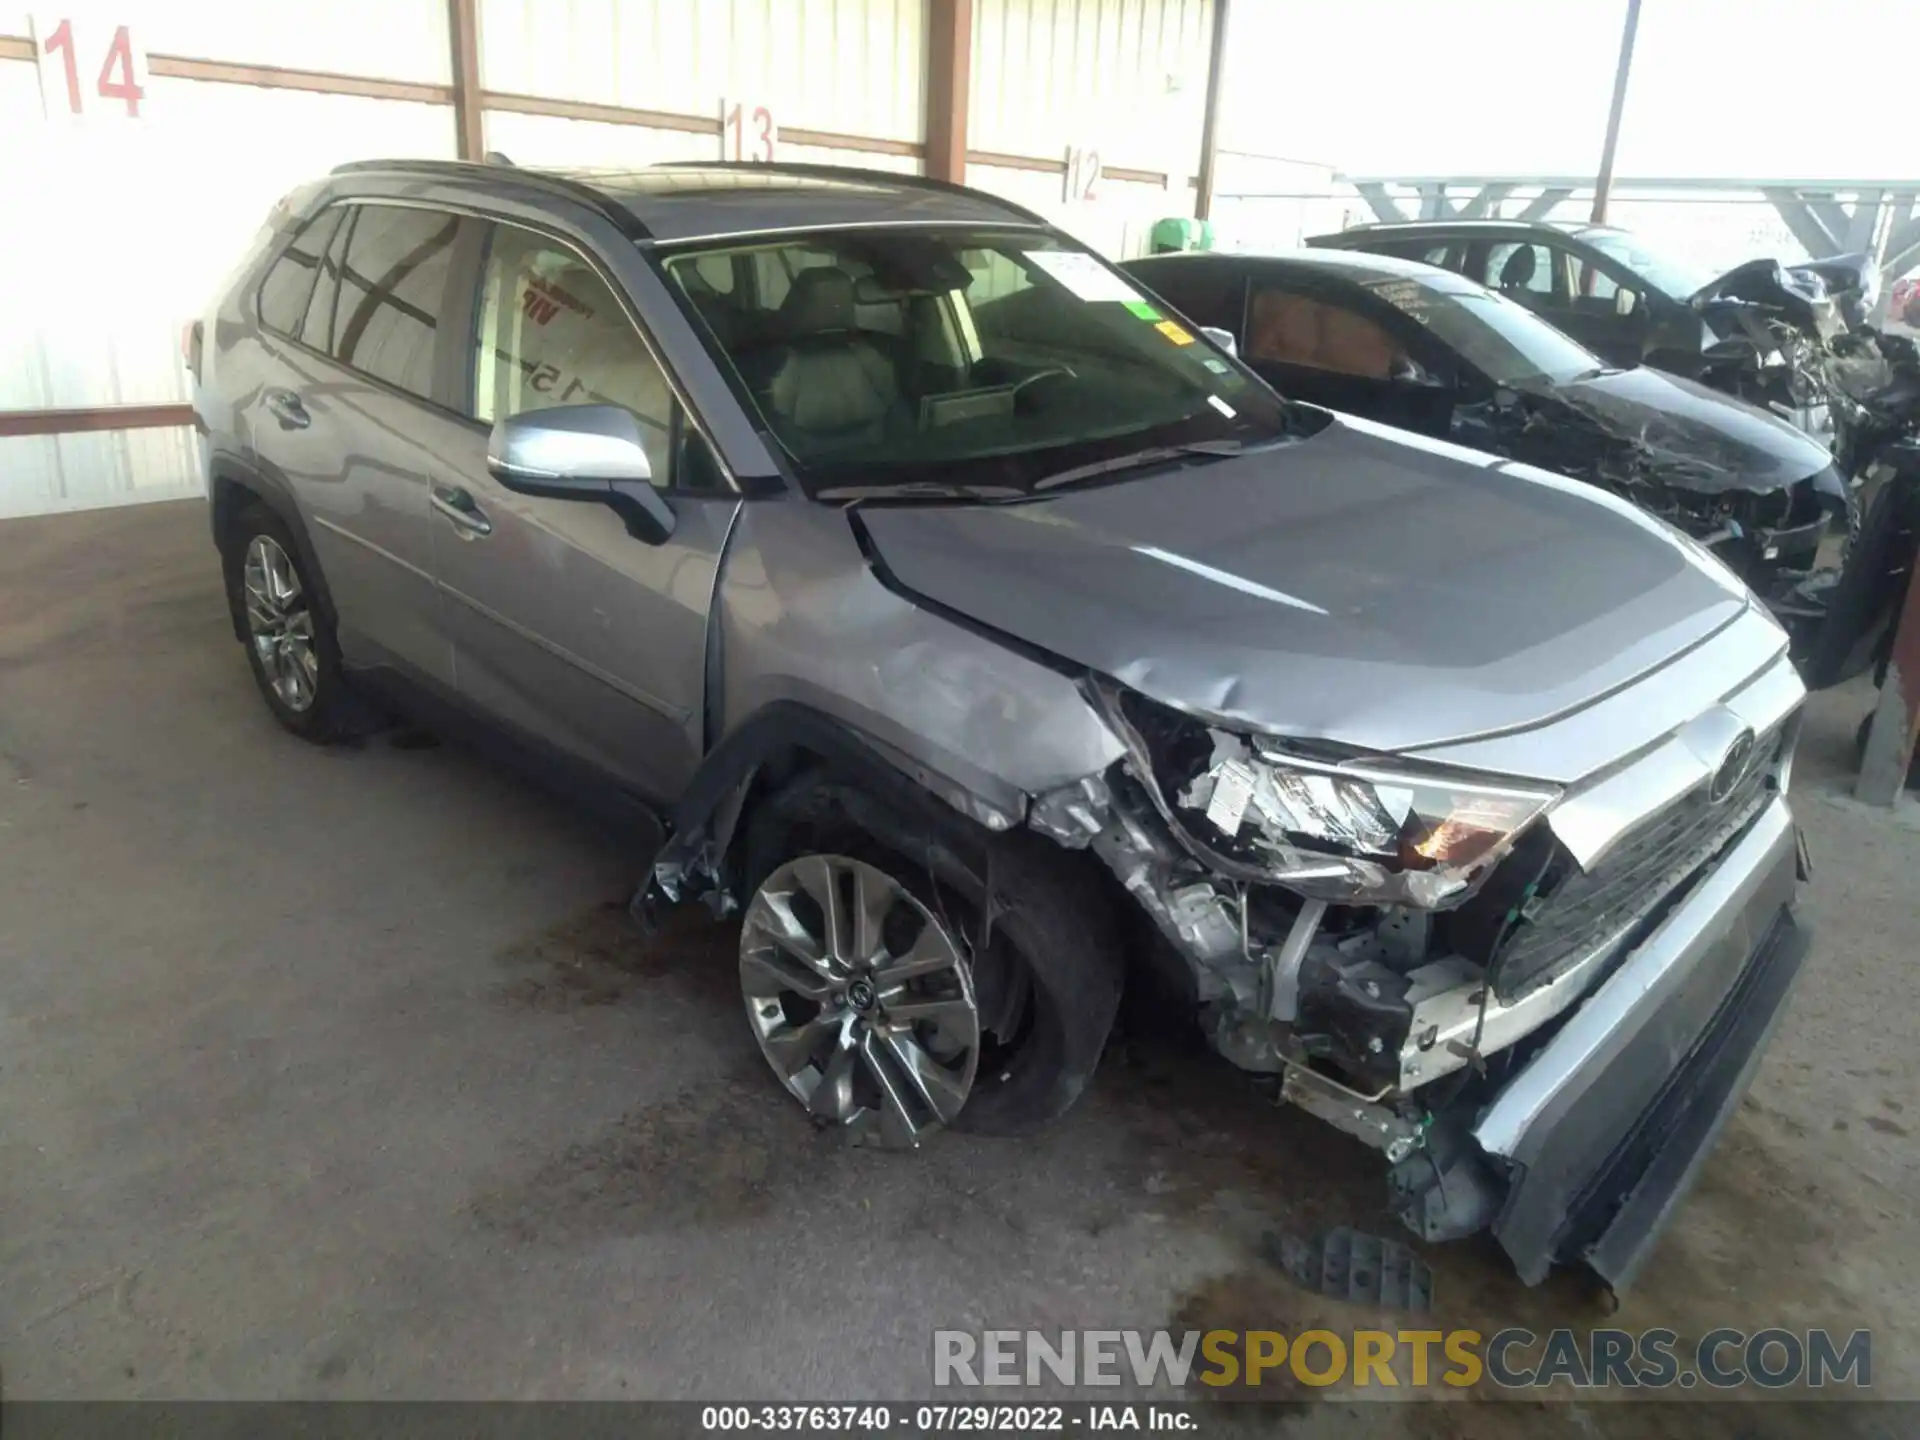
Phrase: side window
(715, 272)
(317, 329)
(393, 287)
(993, 275)
(552, 333)
(1590, 282)
(1289, 329)
(774, 269)
(1206, 293)
(289, 280)
(1520, 269)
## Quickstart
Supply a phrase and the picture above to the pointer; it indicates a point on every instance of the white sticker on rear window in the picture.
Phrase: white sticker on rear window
(1085, 276)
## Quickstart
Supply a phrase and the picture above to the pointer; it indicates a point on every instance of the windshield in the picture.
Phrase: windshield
(1507, 342)
(923, 360)
(1676, 278)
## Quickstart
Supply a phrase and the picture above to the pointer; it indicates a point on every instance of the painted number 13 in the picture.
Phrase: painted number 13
(753, 128)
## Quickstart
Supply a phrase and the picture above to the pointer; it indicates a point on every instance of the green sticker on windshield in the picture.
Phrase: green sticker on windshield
(1143, 310)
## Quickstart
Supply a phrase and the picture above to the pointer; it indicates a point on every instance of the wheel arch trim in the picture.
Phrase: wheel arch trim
(706, 819)
(232, 483)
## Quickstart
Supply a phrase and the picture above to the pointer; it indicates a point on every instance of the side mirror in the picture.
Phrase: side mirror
(1624, 301)
(582, 452)
(1223, 338)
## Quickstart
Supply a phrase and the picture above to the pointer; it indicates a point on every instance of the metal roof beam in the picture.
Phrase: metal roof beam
(1545, 203)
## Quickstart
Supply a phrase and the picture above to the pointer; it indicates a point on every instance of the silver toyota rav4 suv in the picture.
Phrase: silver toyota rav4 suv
(991, 641)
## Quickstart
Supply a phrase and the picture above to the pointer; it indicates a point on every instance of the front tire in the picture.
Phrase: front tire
(1042, 992)
(288, 632)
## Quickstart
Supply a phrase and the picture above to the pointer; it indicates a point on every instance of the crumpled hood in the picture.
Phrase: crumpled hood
(1693, 437)
(1362, 586)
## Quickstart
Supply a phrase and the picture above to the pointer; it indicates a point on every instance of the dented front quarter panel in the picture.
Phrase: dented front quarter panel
(803, 618)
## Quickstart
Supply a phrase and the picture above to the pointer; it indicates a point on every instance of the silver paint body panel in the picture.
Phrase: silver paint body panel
(1352, 587)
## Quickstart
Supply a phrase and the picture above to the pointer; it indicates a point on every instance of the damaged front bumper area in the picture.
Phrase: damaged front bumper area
(1602, 1131)
(1547, 1050)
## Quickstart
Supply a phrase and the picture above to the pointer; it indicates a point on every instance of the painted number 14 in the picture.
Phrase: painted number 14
(59, 54)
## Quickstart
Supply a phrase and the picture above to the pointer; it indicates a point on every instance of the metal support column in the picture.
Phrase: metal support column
(1210, 125)
(1604, 183)
(949, 86)
(463, 36)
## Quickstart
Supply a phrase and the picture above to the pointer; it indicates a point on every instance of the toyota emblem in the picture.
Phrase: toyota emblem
(1733, 767)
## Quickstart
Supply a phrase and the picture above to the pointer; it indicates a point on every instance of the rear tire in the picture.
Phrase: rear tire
(1049, 980)
(287, 627)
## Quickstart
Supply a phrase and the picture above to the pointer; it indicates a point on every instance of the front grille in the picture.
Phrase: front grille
(1575, 911)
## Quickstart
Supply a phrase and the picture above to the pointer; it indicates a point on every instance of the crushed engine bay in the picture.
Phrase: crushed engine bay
(1360, 1005)
(1768, 534)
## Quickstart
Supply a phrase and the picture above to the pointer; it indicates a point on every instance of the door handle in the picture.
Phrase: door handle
(456, 502)
(285, 407)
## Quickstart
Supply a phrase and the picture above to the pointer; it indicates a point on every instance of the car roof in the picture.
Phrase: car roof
(1358, 266)
(1577, 228)
(713, 200)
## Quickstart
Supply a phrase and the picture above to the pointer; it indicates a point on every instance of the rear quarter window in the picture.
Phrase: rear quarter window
(288, 284)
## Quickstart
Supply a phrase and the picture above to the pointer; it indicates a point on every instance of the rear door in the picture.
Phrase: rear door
(566, 629)
(340, 417)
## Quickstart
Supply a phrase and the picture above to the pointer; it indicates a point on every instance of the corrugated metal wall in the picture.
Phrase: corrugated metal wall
(855, 67)
(1126, 77)
(115, 233)
(1130, 75)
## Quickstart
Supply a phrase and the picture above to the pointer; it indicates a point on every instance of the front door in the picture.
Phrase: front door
(1312, 347)
(565, 628)
(1607, 310)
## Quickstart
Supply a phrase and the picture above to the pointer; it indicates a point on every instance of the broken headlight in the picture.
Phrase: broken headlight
(1355, 830)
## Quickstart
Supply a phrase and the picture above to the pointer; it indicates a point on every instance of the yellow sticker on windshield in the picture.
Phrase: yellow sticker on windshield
(1174, 333)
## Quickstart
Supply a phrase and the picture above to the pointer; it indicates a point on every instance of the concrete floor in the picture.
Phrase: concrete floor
(337, 1073)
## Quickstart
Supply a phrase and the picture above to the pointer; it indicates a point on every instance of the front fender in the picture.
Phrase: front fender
(978, 719)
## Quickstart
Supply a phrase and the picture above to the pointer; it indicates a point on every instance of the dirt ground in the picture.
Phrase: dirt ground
(332, 1073)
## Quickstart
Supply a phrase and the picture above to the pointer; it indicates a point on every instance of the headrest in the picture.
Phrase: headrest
(1518, 271)
(821, 299)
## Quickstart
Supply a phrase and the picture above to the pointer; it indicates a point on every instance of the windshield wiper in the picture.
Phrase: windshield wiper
(920, 490)
(1154, 455)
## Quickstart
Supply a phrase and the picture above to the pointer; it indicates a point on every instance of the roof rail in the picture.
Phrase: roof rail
(507, 173)
(852, 172)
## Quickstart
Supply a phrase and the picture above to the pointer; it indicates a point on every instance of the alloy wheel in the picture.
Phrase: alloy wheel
(860, 999)
(280, 623)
